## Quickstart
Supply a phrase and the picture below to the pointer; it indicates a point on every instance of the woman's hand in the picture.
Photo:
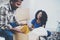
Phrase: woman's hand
(31, 28)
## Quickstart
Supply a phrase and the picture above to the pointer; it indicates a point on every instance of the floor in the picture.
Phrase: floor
(54, 36)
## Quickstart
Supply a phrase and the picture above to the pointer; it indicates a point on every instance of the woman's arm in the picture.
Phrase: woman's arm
(32, 27)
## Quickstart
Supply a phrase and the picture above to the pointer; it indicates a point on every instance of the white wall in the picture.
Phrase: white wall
(25, 4)
(52, 7)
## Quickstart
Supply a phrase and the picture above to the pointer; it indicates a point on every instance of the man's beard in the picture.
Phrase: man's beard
(14, 8)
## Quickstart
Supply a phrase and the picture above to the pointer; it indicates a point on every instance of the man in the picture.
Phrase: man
(7, 18)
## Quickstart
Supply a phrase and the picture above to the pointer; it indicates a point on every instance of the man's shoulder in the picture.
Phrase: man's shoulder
(5, 6)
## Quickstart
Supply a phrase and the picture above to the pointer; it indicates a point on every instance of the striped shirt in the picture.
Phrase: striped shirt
(6, 15)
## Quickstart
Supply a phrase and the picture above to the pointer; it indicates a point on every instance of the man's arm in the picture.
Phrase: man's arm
(20, 26)
(3, 19)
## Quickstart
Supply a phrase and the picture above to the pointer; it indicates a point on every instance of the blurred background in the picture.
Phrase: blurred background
(52, 8)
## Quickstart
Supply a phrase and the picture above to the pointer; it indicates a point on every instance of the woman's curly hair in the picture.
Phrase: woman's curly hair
(44, 17)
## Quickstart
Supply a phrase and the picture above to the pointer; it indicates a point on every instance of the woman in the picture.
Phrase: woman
(40, 19)
(38, 22)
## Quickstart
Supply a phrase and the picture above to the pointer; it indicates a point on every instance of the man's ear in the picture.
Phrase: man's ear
(11, 2)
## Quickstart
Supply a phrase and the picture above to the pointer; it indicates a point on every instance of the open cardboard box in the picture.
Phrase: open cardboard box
(22, 16)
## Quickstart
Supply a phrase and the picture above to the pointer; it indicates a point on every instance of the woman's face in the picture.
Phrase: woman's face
(39, 15)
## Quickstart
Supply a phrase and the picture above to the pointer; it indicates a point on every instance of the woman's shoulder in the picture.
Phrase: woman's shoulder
(33, 21)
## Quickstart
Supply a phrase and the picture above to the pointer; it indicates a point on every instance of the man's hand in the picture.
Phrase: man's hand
(17, 29)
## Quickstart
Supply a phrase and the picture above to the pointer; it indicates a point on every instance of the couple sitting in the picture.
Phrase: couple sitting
(38, 26)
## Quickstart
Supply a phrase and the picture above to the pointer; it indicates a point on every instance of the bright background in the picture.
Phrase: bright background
(52, 7)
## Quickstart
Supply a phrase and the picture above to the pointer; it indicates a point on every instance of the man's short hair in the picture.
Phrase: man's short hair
(14, 0)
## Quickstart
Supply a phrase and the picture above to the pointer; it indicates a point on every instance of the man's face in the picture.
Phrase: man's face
(16, 4)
